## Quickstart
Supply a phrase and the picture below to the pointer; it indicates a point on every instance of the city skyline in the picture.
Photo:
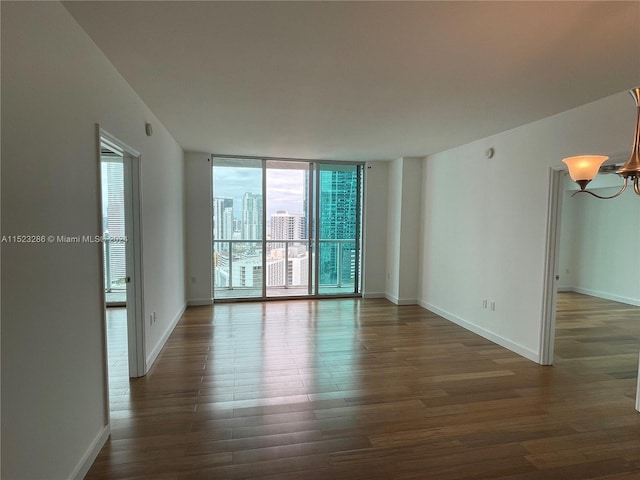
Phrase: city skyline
(285, 188)
(270, 228)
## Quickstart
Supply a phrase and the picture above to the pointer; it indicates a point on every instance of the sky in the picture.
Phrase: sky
(285, 188)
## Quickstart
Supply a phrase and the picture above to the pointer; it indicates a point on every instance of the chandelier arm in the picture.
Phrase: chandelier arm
(624, 187)
(636, 187)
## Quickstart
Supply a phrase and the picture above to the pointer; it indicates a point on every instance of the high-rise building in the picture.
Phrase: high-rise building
(237, 228)
(223, 226)
(252, 216)
(290, 261)
(338, 221)
(287, 226)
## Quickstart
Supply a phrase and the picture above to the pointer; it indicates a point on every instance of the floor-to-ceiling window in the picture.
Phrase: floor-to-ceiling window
(285, 228)
(288, 243)
(238, 224)
(338, 228)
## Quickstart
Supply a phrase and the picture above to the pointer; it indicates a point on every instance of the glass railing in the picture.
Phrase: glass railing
(238, 267)
(288, 264)
(336, 264)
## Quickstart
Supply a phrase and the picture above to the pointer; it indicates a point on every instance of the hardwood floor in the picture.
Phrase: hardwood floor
(364, 389)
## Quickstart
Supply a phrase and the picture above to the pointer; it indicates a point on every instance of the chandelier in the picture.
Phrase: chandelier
(584, 168)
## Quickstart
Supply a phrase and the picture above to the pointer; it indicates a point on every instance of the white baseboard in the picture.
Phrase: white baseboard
(373, 295)
(483, 332)
(565, 289)
(90, 455)
(198, 302)
(165, 336)
(607, 296)
(400, 301)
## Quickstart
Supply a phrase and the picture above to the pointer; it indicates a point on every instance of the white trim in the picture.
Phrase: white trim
(135, 288)
(90, 454)
(391, 298)
(103, 310)
(163, 340)
(552, 258)
(407, 301)
(607, 296)
(117, 143)
(198, 302)
(373, 295)
(132, 176)
(504, 342)
(401, 301)
(210, 280)
(565, 289)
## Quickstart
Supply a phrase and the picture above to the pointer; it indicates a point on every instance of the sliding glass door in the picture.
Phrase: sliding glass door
(338, 227)
(288, 244)
(284, 228)
(238, 219)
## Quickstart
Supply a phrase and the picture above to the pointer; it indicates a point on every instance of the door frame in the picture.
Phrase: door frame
(552, 257)
(133, 252)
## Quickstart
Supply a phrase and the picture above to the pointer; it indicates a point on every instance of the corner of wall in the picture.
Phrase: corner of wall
(199, 228)
(155, 351)
(483, 332)
(91, 454)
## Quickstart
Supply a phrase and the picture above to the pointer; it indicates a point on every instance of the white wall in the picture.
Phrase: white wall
(411, 229)
(404, 228)
(199, 218)
(567, 249)
(599, 240)
(56, 85)
(394, 226)
(485, 220)
(375, 228)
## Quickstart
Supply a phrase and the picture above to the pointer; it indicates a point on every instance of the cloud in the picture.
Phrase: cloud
(285, 188)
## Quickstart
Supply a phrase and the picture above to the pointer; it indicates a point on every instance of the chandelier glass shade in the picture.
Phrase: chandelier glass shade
(584, 168)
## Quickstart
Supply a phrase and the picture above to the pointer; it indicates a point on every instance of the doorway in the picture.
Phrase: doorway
(592, 251)
(121, 255)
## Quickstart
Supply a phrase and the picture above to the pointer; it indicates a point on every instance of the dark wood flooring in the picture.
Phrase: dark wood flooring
(364, 389)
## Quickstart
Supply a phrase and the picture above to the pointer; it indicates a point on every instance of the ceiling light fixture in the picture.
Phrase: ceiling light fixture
(584, 168)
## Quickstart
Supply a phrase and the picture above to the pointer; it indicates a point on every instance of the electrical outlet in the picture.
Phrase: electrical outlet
(484, 303)
(155, 317)
(493, 306)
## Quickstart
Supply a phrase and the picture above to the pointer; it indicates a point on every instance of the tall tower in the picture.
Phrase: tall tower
(338, 216)
(287, 226)
(338, 201)
(222, 218)
(251, 216)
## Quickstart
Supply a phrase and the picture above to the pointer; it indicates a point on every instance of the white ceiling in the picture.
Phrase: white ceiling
(362, 80)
